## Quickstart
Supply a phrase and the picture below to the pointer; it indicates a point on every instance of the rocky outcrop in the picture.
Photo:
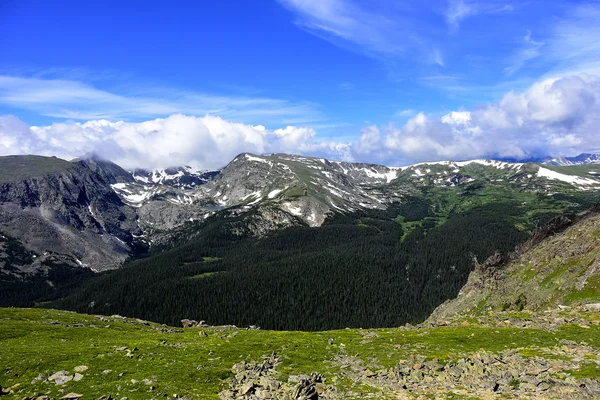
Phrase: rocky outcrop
(70, 211)
(261, 221)
(483, 374)
(258, 381)
(184, 178)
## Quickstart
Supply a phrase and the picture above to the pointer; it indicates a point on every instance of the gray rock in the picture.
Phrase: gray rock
(60, 377)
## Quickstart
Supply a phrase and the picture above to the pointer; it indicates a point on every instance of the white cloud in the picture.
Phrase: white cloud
(206, 143)
(369, 140)
(557, 116)
(65, 98)
(459, 10)
(292, 138)
(457, 118)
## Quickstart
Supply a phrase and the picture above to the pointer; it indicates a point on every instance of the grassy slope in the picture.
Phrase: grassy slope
(16, 168)
(197, 362)
(564, 269)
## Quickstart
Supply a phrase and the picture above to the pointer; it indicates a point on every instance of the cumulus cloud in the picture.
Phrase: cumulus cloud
(205, 143)
(556, 116)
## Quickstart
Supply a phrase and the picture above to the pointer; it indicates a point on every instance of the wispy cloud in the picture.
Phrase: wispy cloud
(383, 30)
(573, 44)
(459, 10)
(436, 56)
(337, 20)
(435, 78)
(529, 50)
(65, 98)
(405, 113)
(346, 86)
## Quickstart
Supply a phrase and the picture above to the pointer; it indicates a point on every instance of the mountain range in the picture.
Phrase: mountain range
(412, 230)
(90, 212)
(582, 159)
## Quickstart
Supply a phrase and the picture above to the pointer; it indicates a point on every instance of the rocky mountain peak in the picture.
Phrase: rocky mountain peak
(181, 177)
(582, 159)
(110, 172)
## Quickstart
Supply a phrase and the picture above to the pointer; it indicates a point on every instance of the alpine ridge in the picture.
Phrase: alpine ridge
(97, 214)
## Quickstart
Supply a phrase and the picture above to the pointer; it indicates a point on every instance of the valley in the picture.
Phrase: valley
(314, 279)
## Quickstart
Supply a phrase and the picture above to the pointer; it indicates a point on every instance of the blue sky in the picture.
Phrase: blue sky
(337, 67)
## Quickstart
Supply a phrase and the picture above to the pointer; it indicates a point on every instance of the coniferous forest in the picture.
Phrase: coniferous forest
(357, 270)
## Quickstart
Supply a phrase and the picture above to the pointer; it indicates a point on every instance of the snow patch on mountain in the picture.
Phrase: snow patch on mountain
(272, 194)
(576, 180)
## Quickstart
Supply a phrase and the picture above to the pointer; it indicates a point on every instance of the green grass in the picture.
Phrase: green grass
(534, 352)
(204, 275)
(587, 370)
(211, 259)
(589, 293)
(197, 362)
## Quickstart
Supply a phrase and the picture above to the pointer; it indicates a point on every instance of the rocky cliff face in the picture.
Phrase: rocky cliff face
(69, 210)
(108, 171)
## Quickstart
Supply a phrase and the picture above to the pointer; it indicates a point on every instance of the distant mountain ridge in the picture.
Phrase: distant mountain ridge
(184, 177)
(107, 212)
(582, 159)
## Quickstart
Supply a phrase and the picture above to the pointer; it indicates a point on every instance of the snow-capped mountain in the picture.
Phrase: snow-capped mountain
(184, 177)
(116, 210)
(584, 158)
(311, 188)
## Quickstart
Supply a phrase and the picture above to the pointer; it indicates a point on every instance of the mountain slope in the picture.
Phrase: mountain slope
(97, 214)
(313, 188)
(53, 206)
(178, 177)
(559, 265)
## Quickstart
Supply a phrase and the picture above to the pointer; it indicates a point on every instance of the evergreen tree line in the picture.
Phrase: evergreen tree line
(357, 270)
